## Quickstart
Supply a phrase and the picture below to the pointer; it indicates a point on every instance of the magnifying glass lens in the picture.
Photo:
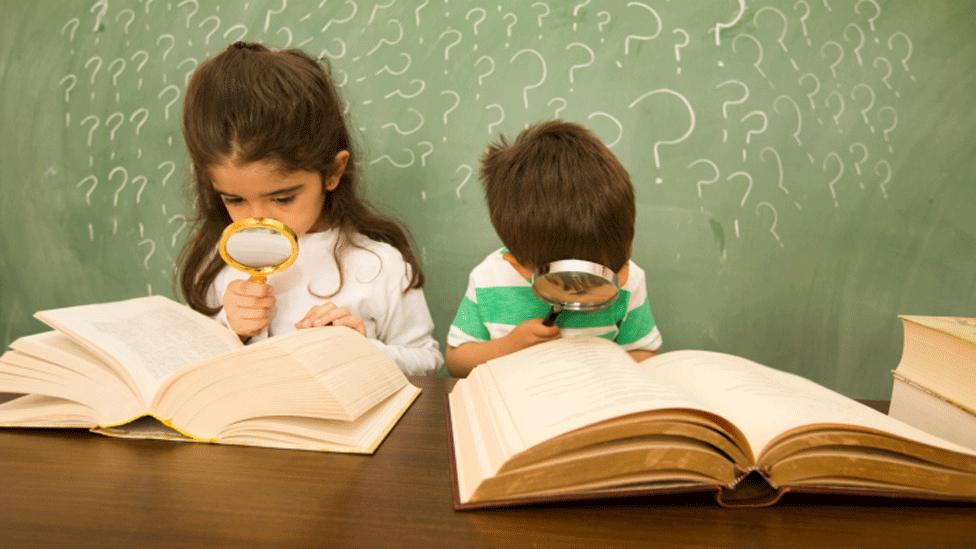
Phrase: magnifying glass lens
(259, 247)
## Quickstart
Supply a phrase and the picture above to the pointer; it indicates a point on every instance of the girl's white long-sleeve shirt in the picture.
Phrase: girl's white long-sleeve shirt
(374, 277)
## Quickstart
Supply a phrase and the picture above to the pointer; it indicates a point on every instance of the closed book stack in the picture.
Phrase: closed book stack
(935, 382)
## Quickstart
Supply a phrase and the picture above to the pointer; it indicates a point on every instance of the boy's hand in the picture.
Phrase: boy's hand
(529, 333)
(248, 306)
(328, 313)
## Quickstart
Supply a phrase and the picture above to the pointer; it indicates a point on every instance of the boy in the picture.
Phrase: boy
(556, 193)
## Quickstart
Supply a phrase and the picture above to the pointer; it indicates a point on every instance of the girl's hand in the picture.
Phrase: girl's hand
(529, 333)
(248, 306)
(328, 313)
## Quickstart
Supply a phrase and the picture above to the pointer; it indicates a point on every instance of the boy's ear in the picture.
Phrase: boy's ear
(341, 158)
(623, 273)
(522, 270)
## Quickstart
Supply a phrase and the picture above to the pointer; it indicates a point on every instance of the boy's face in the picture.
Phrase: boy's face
(262, 189)
(527, 272)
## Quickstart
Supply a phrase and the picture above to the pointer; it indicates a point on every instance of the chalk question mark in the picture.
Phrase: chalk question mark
(908, 54)
(580, 65)
(142, 114)
(750, 133)
(701, 182)
(657, 144)
(889, 129)
(457, 190)
(73, 80)
(840, 57)
(883, 185)
(772, 228)
(457, 101)
(729, 24)
(172, 168)
(748, 177)
(73, 23)
(799, 116)
(576, 10)
(857, 163)
(782, 16)
(678, 46)
(108, 122)
(176, 96)
(143, 55)
(447, 49)
(602, 24)
(840, 111)
(620, 127)
(542, 62)
(559, 109)
(541, 15)
(860, 44)
(803, 18)
(865, 110)
(877, 12)
(508, 29)
(152, 250)
(887, 76)
(482, 15)
(631, 37)
(779, 166)
(840, 173)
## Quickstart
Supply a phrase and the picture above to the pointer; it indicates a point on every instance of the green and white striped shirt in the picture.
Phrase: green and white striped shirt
(498, 299)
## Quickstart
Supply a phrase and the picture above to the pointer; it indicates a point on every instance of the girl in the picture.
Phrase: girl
(267, 138)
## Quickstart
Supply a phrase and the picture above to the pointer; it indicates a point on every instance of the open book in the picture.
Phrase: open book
(152, 368)
(576, 418)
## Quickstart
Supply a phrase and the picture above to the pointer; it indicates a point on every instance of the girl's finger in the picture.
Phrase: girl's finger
(351, 321)
(318, 311)
(330, 317)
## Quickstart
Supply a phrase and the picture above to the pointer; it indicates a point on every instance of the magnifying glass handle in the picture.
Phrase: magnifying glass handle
(257, 278)
(553, 315)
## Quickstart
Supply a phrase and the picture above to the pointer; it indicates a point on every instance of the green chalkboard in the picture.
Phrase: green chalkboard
(803, 169)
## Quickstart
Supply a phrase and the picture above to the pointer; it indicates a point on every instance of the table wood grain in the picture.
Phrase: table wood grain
(76, 488)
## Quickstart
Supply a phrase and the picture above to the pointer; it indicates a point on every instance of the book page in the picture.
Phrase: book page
(556, 387)
(150, 337)
(765, 403)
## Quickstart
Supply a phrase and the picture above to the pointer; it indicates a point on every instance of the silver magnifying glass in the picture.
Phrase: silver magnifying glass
(574, 285)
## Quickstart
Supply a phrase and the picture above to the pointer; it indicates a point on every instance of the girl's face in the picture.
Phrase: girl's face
(262, 189)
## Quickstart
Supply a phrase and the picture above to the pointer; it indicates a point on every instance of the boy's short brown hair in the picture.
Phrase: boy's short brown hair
(558, 192)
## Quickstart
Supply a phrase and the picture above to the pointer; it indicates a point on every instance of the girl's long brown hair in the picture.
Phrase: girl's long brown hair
(251, 104)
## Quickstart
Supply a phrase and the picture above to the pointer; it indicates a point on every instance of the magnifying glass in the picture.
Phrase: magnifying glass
(574, 285)
(259, 246)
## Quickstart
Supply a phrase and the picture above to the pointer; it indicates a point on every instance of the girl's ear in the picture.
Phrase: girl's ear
(341, 158)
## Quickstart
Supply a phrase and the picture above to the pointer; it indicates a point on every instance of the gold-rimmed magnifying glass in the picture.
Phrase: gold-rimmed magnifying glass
(258, 246)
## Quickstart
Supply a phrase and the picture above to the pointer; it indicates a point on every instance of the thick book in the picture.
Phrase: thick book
(576, 419)
(935, 381)
(153, 368)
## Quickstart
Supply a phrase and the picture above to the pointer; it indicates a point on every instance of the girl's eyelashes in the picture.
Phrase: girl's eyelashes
(236, 200)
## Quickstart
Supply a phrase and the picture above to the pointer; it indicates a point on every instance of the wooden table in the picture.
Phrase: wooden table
(77, 488)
